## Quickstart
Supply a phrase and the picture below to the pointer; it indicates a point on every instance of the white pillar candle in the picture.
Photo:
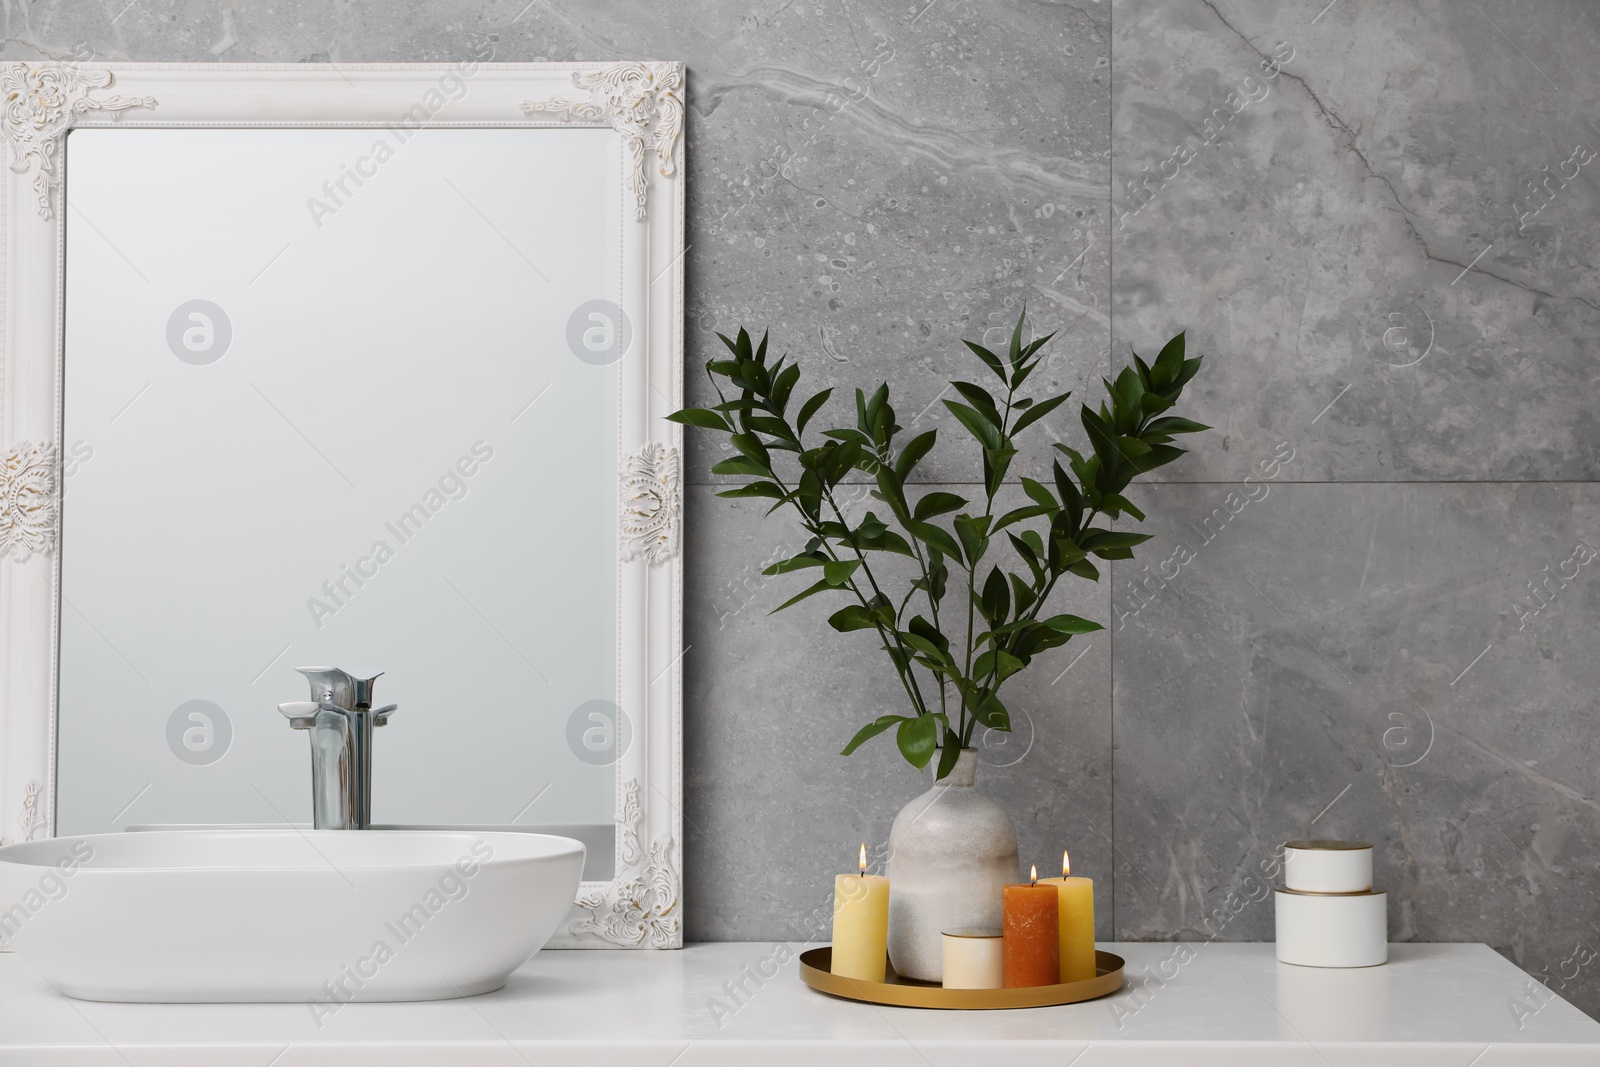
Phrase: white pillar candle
(973, 959)
(1327, 866)
(1332, 929)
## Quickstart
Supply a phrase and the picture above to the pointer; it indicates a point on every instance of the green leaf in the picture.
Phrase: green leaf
(990, 360)
(854, 617)
(1114, 504)
(1097, 538)
(1006, 665)
(936, 536)
(974, 538)
(918, 737)
(871, 730)
(1070, 497)
(1021, 593)
(980, 399)
(921, 644)
(1039, 494)
(983, 666)
(912, 453)
(1071, 624)
(987, 434)
(882, 607)
(1084, 569)
(708, 420)
(1144, 370)
(751, 446)
(937, 503)
(1101, 437)
(996, 597)
(838, 460)
(810, 408)
(887, 541)
(1038, 639)
(809, 493)
(1168, 363)
(772, 427)
(764, 490)
(1190, 368)
(993, 714)
(926, 630)
(948, 754)
(837, 572)
(1018, 514)
(1153, 404)
(1158, 456)
(1016, 338)
(892, 491)
(1039, 411)
(795, 563)
(784, 383)
(820, 587)
(742, 465)
(1029, 555)
(996, 461)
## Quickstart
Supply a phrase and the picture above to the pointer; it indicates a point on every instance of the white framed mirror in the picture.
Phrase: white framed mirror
(363, 366)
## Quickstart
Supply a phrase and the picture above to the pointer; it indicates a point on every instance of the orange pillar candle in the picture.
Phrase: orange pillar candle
(1076, 916)
(1030, 943)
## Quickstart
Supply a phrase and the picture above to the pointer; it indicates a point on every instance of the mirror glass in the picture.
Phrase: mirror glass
(340, 397)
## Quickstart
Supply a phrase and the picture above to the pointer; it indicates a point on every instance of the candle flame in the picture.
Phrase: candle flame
(1033, 874)
(863, 860)
(1066, 865)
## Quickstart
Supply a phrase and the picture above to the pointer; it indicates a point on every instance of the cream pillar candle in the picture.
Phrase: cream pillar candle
(860, 924)
(1076, 911)
(973, 959)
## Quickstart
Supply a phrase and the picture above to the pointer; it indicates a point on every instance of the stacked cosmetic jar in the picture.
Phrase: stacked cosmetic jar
(1328, 914)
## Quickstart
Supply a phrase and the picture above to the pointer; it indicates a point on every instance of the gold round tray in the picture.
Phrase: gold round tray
(816, 971)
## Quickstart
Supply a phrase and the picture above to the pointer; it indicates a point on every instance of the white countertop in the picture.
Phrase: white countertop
(1190, 1005)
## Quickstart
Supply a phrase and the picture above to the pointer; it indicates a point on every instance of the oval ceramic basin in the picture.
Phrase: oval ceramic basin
(323, 917)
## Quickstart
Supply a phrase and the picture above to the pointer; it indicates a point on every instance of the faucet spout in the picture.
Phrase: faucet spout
(340, 719)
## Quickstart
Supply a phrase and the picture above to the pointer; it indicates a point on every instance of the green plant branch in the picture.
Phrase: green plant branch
(1130, 434)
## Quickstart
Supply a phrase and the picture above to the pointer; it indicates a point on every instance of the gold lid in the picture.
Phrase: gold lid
(1326, 846)
(981, 932)
(1313, 893)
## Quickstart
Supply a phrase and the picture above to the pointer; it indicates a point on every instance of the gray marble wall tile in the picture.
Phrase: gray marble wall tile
(774, 812)
(871, 233)
(1307, 192)
(1406, 665)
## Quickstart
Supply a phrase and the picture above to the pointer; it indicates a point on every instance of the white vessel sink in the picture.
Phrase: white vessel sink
(316, 916)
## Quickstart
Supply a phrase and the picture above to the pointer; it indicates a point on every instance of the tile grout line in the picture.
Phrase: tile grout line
(1111, 345)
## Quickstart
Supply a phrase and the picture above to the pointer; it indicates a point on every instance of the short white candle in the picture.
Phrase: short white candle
(972, 959)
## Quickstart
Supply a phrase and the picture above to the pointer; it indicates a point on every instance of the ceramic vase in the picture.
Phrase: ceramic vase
(950, 852)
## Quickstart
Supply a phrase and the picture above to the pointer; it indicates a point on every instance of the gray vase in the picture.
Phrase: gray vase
(950, 851)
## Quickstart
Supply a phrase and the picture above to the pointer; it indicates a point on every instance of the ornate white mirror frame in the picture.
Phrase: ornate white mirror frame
(643, 103)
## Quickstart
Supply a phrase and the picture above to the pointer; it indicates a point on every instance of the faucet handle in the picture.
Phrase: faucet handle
(302, 714)
(381, 716)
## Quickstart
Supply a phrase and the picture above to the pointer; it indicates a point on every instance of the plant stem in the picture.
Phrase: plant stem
(894, 631)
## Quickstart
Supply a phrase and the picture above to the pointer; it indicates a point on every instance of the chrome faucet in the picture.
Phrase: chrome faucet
(340, 718)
